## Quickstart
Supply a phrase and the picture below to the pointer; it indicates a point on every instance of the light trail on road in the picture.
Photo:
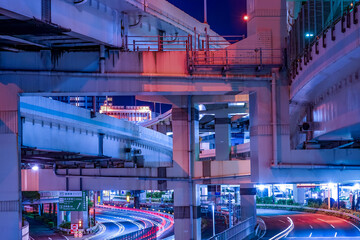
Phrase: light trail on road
(118, 221)
(307, 225)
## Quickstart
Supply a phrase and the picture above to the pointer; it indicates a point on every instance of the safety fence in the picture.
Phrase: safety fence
(242, 230)
(235, 56)
(207, 50)
(143, 234)
(314, 20)
(180, 43)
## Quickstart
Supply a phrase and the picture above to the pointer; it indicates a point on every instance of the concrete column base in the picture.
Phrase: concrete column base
(10, 197)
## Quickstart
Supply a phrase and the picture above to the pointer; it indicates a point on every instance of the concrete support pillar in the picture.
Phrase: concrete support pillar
(237, 195)
(269, 132)
(299, 194)
(67, 216)
(214, 193)
(60, 215)
(137, 199)
(40, 209)
(248, 204)
(222, 136)
(99, 197)
(10, 145)
(182, 207)
(82, 216)
(185, 152)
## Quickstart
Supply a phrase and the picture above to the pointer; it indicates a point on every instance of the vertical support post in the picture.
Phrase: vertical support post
(213, 217)
(338, 197)
(322, 15)
(303, 27)
(329, 196)
(298, 37)
(222, 136)
(331, 11)
(308, 20)
(195, 38)
(187, 214)
(10, 172)
(205, 11)
(102, 59)
(315, 22)
(248, 204)
(158, 42)
(274, 118)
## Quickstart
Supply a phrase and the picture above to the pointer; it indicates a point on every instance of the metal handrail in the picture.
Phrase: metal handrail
(240, 231)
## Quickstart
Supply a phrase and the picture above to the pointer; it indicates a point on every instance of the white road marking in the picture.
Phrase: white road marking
(285, 232)
(310, 235)
(353, 225)
(282, 221)
(103, 229)
(326, 222)
(65, 237)
(49, 238)
(311, 226)
(335, 234)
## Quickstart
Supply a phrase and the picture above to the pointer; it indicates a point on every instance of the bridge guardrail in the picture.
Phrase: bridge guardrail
(240, 231)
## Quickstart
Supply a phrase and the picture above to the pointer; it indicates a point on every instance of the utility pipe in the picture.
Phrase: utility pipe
(190, 135)
(205, 11)
(315, 166)
(274, 122)
(179, 179)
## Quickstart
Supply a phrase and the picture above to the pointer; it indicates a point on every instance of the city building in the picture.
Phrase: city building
(130, 113)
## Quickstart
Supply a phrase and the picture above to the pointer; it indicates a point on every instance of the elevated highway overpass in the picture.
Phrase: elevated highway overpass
(276, 154)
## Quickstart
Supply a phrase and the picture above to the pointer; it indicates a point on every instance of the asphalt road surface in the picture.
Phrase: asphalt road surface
(115, 222)
(307, 225)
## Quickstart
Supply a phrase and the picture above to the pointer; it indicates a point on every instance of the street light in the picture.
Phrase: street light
(35, 168)
(213, 217)
(246, 18)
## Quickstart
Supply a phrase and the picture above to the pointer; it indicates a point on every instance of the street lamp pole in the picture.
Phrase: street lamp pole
(205, 11)
(213, 217)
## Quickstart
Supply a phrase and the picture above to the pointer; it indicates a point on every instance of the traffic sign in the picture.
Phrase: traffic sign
(73, 201)
(74, 227)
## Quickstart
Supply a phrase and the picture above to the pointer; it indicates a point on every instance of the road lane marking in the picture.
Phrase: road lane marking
(353, 225)
(285, 232)
(335, 234)
(282, 221)
(65, 237)
(326, 222)
(310, 235)
(311, 226)
(103, 229)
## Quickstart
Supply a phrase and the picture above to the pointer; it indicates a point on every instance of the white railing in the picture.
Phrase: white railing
(25, 231)
(240, 231)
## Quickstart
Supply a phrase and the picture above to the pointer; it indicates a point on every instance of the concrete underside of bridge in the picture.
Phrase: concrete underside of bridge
(273, 127)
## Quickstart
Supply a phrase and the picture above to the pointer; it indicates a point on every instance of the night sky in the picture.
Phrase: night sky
(224, 17)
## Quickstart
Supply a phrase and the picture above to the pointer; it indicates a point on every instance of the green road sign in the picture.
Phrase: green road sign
(73, 201)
